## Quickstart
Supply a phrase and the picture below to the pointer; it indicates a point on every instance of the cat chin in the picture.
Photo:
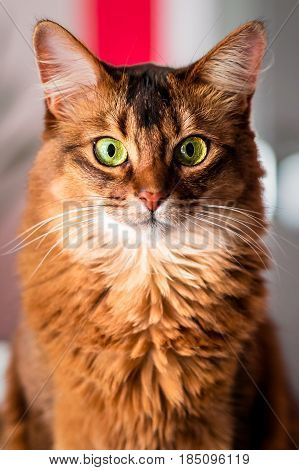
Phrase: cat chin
(133, 233)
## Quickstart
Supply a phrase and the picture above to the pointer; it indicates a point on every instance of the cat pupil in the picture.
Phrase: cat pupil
(190, 149)
(111, 150)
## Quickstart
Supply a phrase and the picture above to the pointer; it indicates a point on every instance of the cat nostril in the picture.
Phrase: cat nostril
(152, 200)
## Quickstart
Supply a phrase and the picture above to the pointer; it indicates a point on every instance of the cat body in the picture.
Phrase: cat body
(146, 334)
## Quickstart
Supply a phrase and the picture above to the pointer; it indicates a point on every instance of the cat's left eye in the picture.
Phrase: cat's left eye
(191, 151)
(110, 152)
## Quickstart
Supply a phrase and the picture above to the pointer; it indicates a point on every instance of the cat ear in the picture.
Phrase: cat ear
(234, 63)
(66, 66)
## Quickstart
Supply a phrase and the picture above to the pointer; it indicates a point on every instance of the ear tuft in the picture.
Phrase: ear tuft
(233, 65)
(65, 65)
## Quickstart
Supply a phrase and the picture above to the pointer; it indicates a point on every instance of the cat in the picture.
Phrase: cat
(151, 331)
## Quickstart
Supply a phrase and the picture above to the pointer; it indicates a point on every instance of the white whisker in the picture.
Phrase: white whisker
(41, 224)
(238, 235)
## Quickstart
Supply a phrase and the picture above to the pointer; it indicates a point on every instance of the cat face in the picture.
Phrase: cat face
(155, 146)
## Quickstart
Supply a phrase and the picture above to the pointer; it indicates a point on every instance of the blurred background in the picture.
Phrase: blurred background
(173, 32)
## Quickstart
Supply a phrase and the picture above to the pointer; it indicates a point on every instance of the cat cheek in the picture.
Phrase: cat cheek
(58, 189)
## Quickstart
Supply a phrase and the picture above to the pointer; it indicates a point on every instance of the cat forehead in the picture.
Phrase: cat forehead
(159, 103)
(151, 105)
(147, 91)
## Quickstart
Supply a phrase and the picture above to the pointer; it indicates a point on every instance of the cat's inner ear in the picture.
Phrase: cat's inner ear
(66, 67)
(234, 63)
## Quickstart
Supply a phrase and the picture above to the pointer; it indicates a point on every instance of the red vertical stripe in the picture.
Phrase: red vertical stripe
(118, 31)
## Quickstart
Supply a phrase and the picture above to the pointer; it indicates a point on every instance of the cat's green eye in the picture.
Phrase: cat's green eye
(191, 151)
(110, 152)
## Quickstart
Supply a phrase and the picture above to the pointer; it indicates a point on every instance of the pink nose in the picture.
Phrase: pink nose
(152, 200)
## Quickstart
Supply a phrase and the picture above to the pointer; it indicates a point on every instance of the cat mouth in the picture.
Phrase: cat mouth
(147, 221)
(151, 222)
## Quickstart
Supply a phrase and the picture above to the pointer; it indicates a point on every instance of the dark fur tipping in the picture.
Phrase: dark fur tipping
(148, 94)
(165, 347)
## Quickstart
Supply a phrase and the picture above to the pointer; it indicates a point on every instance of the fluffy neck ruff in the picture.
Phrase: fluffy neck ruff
(152, 333)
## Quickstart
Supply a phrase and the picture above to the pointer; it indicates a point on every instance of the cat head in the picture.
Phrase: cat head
(155, 146)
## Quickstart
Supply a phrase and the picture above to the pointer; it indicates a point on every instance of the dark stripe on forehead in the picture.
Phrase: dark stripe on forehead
(163, 146)
(122, 123)
(176, 120)
(148, 95)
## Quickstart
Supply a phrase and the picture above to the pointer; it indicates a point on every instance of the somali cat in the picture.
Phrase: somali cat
(153, 335)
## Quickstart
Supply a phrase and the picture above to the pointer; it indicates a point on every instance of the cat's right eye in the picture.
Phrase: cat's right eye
(110, 152)
(191, 151)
